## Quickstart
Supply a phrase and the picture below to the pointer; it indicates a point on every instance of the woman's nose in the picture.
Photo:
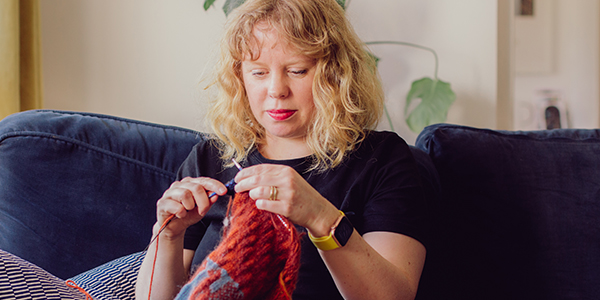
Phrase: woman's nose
(278, 87)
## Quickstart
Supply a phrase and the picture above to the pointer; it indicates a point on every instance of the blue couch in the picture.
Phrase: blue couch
(514, 215)
(78, 190)
(518, 217)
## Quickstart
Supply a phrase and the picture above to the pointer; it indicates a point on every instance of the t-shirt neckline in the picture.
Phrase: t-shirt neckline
(301, 164)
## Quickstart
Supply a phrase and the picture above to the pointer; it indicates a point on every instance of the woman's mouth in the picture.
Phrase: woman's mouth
(280, 114)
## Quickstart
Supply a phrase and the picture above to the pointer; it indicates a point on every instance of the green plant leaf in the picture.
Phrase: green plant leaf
(208, 3)
(231, 5)
(342, 3)
(436, 98)
(373, 57)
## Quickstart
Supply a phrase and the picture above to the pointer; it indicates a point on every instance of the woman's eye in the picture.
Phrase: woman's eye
(298, 72)
(258, 73)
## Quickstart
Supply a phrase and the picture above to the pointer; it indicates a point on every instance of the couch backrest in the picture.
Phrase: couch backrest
(77, 190)
(519, 216)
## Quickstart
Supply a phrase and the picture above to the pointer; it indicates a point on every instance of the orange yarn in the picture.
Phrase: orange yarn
(72, 284)
(259, 251)
(165, 223)
(257, 258)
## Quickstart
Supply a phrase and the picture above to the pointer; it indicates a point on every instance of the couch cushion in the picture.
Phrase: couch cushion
(78, 190)
(519, 216)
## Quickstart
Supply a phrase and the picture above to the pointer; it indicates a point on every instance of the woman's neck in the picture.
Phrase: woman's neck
(281, 149)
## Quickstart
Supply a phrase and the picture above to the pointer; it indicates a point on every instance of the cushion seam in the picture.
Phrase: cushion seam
(517, 134)
(89, 147)
(130, 121)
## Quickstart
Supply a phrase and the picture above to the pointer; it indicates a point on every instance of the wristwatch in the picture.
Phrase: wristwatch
(340, 233)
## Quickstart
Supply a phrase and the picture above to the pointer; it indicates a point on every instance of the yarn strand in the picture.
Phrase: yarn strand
(72, 284)
(162, 227)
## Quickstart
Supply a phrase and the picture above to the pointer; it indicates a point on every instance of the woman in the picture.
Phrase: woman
(298, 96)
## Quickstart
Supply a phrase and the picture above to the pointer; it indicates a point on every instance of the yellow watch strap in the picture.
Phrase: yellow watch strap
(328, 242)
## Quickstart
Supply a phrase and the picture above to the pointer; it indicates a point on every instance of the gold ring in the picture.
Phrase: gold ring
(273, 193)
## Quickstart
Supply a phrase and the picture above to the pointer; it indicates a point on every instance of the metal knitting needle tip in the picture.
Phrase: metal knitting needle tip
(236, 164)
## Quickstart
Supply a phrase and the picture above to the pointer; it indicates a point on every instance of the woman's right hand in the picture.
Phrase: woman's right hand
(188, 201)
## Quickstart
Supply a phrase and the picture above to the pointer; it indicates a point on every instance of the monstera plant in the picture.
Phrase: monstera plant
(428, 99)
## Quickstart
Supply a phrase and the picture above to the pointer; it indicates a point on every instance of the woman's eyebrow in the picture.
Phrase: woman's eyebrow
(252, 64)
(304, 63)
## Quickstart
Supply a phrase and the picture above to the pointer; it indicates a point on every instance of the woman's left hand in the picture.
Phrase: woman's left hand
(381, 270)
(295, 198)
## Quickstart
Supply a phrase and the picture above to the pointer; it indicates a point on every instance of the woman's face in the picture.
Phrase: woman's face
(279, 87)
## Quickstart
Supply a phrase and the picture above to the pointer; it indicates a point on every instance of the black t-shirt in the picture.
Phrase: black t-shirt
(377, 186)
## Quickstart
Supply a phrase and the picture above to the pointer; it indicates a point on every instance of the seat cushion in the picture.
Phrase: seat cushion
(519, 216)
(78, 190)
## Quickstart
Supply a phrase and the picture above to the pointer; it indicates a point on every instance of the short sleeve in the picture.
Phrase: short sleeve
(396, 200)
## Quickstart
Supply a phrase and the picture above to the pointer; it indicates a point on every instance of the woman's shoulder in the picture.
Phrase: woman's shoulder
(382, 139)
(207, 144)
(378, 148)
(204, 159)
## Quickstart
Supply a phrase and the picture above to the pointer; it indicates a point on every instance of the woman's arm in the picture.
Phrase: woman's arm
(169, 272)
(188, 201)
(380, 265)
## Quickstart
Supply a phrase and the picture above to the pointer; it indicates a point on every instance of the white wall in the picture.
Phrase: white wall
(143, 59)
(132, 58)
(464, 35)
(573, 69)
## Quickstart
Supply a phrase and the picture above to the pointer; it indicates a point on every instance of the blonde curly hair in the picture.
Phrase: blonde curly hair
(347, 92)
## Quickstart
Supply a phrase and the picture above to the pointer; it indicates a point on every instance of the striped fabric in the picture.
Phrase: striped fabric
(114, 280)
(20, 279)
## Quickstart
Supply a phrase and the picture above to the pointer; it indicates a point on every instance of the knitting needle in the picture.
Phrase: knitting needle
(230, 182)
(236, 164)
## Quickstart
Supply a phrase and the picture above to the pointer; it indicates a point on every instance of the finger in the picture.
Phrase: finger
(208, 184)
(184, 194)
(200, 188)
(168, 207)
(190, 193)
(261, 192)
(262, 175)
(255, 170)
(277, 207)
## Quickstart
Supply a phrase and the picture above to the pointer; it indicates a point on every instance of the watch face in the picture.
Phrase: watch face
(343, 231)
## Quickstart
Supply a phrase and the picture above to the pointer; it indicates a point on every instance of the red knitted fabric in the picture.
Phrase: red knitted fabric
(257, 258)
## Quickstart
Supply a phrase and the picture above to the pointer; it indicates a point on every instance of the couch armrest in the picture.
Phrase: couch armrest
(79, 189)
(519, 214)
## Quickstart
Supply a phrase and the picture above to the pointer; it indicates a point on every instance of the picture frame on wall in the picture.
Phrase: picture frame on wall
(525, 7)
(534, 33)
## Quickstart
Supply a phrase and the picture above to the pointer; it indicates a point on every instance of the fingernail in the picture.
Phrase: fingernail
(259, 204)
